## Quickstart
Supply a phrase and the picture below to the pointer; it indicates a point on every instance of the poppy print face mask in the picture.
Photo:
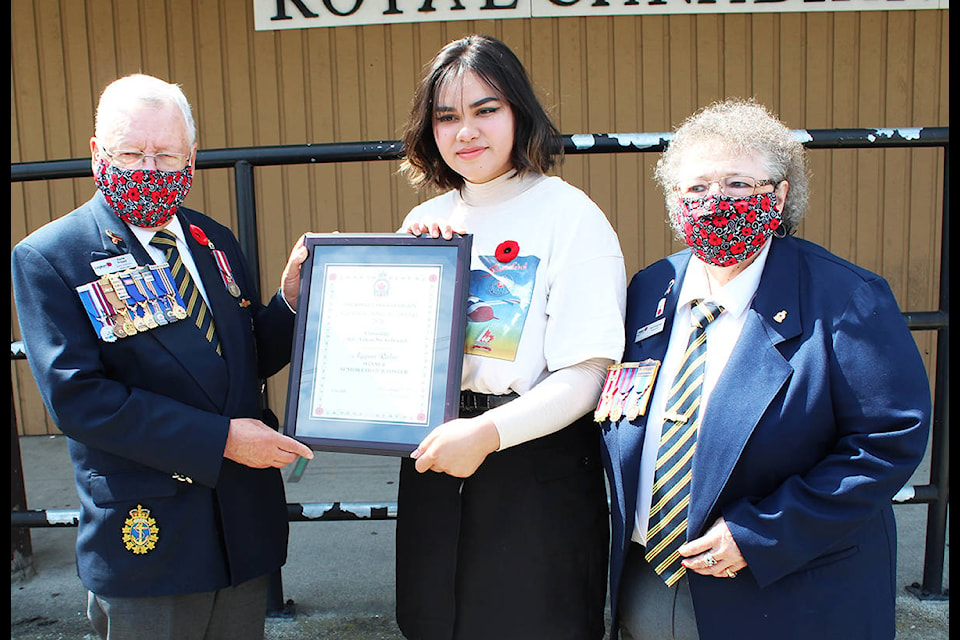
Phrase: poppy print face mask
(725, 231)
(143, 197)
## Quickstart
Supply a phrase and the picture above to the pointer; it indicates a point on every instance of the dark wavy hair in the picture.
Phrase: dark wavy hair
(537, 142)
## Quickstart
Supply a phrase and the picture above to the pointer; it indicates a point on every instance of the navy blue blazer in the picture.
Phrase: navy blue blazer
(148, 409)
(820, 416)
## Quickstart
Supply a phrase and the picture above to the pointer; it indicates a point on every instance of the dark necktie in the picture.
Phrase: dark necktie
(681, 419)
(196, 307)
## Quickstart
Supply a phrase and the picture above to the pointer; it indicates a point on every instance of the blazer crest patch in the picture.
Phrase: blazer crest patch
(140, 531)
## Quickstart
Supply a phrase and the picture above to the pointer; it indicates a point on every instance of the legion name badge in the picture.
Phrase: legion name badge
(113, 264)
(651, 329)
(140, 531)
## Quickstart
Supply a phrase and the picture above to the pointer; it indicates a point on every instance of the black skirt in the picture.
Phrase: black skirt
(517, 550)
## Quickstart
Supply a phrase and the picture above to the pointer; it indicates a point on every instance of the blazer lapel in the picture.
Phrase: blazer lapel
(754, 374)
(663, 282)
(227, 320)
(115, 236)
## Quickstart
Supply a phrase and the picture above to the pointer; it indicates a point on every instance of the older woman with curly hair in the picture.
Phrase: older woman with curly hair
(787, 404)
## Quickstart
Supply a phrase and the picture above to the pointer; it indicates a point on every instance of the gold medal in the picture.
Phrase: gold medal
(129, 327)
(616, 411)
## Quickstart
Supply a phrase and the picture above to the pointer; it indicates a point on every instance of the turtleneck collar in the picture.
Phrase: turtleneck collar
(506, 187)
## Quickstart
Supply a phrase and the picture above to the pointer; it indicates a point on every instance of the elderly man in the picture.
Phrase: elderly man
(148, 347)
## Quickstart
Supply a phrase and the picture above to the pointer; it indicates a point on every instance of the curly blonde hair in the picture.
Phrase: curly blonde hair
(739, 127)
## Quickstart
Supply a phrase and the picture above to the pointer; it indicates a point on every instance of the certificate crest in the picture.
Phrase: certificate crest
(140, 531)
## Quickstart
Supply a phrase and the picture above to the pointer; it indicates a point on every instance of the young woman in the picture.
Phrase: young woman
(503, 523)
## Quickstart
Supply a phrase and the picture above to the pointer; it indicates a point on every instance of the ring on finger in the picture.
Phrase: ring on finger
(731, 573)
(709, 559)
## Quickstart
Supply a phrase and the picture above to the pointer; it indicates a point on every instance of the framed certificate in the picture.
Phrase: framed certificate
(378, 348)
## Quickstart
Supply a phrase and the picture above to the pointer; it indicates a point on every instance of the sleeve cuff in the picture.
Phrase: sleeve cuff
(284, 298)
(555, 402)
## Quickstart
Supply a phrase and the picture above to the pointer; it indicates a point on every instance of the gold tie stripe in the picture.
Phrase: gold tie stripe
(671, 486)
(195, 305)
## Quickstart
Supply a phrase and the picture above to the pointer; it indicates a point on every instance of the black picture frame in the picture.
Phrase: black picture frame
(367, 375)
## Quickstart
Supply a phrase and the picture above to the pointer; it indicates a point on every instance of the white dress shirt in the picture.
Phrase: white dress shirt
(160, 256)
(722, 334)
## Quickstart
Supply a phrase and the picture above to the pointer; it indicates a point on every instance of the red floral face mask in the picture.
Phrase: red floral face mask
(725, 231)
(143, 197)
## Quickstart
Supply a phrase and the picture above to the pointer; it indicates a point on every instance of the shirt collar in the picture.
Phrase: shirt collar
(735, 296)
(146, 235)
(498, 190)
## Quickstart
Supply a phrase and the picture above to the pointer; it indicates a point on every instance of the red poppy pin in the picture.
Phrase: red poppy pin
(507, 250)
(200, 236)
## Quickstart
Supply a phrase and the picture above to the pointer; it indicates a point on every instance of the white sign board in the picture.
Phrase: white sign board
(304, 14)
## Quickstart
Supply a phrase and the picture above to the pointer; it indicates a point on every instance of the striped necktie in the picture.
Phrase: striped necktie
(196, 307)
(671, 486)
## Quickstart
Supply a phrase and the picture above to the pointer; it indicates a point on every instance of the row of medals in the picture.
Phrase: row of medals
(157, 308)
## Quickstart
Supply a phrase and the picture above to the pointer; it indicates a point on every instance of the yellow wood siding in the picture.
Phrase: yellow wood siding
(879, 208)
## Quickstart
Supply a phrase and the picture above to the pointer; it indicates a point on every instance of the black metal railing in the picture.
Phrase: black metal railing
(935, 494)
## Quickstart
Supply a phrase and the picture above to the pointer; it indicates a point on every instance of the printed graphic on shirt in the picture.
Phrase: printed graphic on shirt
(497, 305)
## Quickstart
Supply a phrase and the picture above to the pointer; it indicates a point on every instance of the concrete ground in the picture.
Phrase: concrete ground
(339, 575)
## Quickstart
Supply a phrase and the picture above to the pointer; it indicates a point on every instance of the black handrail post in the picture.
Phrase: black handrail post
(247, 220)
(932, 587)
(249, 244)
(276, 607)
(21, 548)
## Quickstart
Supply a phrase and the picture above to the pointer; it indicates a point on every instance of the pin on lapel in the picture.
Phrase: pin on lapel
(669, 288)
(114, 237)
(780, 315)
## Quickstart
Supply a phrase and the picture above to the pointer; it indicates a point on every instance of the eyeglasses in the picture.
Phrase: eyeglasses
(130, 159)
(733, 186)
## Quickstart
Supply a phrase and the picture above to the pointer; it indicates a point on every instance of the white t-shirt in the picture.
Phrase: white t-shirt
(554, 299)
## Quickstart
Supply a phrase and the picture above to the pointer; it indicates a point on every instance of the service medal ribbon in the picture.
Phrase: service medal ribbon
(226, 273)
